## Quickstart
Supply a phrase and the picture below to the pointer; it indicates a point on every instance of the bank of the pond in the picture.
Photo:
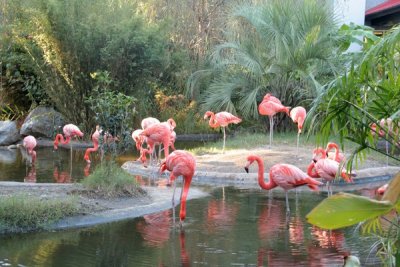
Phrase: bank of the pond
(98, 210)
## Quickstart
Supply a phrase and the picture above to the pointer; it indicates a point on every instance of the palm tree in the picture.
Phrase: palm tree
(275, 46)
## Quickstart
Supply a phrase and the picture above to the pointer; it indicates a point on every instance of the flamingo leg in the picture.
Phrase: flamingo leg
(173, 203)
(223, 147)
(287, 203)
(271, 129)
(297, 147)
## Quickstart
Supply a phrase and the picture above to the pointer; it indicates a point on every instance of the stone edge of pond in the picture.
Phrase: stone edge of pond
(160, 200)
(366, 178)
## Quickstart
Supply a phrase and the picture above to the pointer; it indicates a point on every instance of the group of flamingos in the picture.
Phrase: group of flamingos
(324, 164)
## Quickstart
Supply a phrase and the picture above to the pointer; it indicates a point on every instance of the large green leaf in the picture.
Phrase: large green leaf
(345, 209)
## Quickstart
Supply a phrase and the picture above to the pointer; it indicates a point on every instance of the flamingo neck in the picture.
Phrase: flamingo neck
(336, 148)
(261, 181)
(213, 123)
(311, 171)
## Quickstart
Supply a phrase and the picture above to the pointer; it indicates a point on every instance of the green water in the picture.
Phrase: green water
(231, 227)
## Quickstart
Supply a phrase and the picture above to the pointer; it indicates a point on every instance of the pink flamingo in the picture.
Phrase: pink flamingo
(29, 143)
(138, 139)
(298, 115)
(180, 163)
(284, 175)
(70, 131)
(95, 140)
(156, 134)
(381, 190)
(270, 107)
(328, 168)
(146, 122)
(221, 119)
(337, 156)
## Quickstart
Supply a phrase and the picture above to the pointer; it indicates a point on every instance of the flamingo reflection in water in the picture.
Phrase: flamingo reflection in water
(155, 229)
(61, 177)
(221, 215)
(31, 176)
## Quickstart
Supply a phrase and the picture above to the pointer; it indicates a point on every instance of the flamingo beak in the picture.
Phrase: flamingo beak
(315, 161)
(246, 169)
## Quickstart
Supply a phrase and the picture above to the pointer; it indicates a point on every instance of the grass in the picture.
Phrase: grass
(22, 212)
(109, 180)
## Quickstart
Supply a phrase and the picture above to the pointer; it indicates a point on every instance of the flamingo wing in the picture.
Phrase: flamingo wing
(224, 118)
(289, 176)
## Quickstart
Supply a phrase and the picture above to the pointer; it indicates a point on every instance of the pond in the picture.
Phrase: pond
(231, 227)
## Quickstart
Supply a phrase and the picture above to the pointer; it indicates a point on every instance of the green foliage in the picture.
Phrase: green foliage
(109, 180)
(344, 209)
(11, 113)
(26, 213)
(368, 92)
(281, 47)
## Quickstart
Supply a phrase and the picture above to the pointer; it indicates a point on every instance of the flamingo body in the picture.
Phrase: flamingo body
(180, 163)
(298, 115)
(69, 130)
(270, 108)
(156, 134)
(146, 122)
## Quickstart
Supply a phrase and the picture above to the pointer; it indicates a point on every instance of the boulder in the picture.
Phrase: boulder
(42, 122)
(9, 133)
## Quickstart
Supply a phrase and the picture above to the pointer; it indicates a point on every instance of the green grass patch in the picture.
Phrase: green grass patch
(109, 180)
(23, 213)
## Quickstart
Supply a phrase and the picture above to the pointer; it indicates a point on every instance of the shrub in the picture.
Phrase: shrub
(26, 213)
(109, 180)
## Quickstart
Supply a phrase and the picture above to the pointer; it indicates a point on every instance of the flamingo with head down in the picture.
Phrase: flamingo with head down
(180, 163)
(69, 130)
(298, 115)
(286, 176)
(221, 119)
(95, 140)
(29, 143)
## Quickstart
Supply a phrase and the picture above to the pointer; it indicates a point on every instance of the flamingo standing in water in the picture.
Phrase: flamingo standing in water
(328, 168)
(221, 119)
(269, 107)
(180, 163)
(29, 144)
(298, 115)
(95, 140)
(70, 130)
(156, 134)
(286, 176)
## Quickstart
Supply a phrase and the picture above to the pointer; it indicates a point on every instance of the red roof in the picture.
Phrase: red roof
(382, 7)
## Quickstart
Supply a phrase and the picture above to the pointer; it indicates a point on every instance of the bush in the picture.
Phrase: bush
(109, 180)
(22, 212)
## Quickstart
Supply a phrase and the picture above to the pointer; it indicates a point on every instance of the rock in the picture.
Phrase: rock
(42, 122)
(8, 156)
(8, 133)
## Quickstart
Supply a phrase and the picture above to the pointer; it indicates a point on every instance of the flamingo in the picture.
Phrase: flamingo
(328, 168)
(298, 115)
(29, 143)
(180, 163)
(156, 134)
(172, 141)
(146, 122)
(221, 119)
(138, 139)
(95, 140)
(70, 130)
(269, 107)
(286, 176)
(337, 156)
(381, 190)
